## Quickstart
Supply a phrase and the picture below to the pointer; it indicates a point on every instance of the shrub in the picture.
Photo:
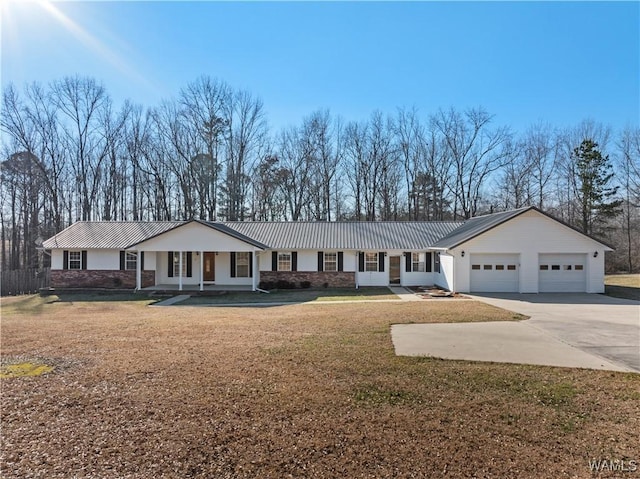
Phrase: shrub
(284, 284)
(305, 284)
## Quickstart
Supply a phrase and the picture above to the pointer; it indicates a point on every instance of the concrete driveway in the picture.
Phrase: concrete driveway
(571, 330)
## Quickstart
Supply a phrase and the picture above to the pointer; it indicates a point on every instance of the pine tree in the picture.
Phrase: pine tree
(595, 195)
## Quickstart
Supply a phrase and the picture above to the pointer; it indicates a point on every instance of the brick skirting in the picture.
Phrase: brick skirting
(318, 279)
(102, 278)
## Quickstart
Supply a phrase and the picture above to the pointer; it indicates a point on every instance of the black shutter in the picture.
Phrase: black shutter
(340, 261)
(274, 261)
(170, 264)
(360, 261)
(65, 259)
(141, 260)
(84, 260)
(233, 264)
(381, 261)
(407, 259)
(250, 265)
(122, 255)
(189, 264)
(427, 262)
(294, 261)
(320, 261)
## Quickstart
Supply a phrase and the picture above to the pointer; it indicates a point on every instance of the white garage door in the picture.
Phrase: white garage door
(562, 273)
(495, 273)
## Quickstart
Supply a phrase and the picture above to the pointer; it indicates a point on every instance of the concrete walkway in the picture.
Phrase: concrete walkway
(173, 300)
(568, 330)
(404, 294)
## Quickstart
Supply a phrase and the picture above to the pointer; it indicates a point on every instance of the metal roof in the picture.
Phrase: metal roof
(364, 235)
(107, 234)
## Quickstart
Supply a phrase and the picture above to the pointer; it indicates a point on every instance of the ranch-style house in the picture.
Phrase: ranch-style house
(523, 250)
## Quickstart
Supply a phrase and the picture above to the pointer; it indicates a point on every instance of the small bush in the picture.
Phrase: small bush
(266, 285)
(305, 284)
(325, 285)
(284, 284)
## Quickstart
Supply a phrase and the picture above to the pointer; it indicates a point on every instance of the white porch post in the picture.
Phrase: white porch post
(180, 271)
(254, 281)
(138, 272)
(201, 270)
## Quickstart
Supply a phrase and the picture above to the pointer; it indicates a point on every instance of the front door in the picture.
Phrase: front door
(394, 269)
(209, 267)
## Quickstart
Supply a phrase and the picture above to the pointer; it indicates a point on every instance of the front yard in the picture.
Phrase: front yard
(626, 286)
(290, 391)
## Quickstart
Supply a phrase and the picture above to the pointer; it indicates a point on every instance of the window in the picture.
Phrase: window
(475, 266)
(555, 267)
(176, 264)
(130, 260)
(331, 262)
(75, 260)
(371, 262)
(499, 267)
(488, 267)
(511, 267)
(544, 267)
(567, 267)
(242, 264)
(416, 264)
(579, 267)
(284, 261)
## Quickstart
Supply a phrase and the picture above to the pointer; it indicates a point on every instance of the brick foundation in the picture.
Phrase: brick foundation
(86, 278)
(318, 279)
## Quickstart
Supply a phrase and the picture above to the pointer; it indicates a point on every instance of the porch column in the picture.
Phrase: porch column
(180, 271)
(253, 273)
(201, 270)
(138, 272)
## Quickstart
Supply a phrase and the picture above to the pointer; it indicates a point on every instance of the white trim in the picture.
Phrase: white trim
(201, 270)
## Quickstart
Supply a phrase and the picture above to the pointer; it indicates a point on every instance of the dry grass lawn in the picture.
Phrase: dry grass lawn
(290, 391)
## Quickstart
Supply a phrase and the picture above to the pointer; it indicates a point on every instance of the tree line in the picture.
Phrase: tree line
(70, 154)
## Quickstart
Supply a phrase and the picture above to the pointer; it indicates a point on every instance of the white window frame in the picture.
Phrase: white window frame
(130, 260)
(242, 261)
(176, 264)
(284, 261)
(330, 261)
(371, 262)
(75, 260)
(417, 266)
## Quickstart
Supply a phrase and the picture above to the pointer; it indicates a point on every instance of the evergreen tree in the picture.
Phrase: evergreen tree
(595, 195)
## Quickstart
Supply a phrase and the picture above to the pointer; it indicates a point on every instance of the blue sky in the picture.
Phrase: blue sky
(522, 61)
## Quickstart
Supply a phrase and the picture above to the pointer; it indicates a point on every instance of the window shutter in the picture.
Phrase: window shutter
(361, 261)
(427, 262)
(407, 259)
(233, 264)
(122, 254)
(65, 259)
(189, 264)
(294, 261)
(274, 261)
(84, 259)
(170, 264)
(141, 253)
(320, 261)
(381, 261)
(250, 265)
(340, 261)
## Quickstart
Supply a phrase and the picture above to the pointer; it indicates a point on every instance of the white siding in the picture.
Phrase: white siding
(56, 259)
(308, 260)
(529, 235)
(103, 259)
(416, 278)
(445, 279)
(194, 237)
(223, 271)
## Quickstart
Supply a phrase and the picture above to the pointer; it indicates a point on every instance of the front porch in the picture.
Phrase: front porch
(218, 288)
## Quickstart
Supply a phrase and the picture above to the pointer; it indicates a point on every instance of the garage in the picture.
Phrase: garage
(495, 273)
(562, 273)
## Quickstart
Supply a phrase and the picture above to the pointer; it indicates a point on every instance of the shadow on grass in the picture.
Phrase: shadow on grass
(623, 292)
(97, 297)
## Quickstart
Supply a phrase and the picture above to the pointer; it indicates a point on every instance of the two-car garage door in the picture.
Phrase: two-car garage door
(495, 273)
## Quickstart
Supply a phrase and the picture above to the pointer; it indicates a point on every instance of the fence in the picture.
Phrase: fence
(24, 281)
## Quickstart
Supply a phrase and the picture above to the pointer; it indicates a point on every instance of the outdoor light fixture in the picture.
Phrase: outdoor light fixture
(595, 255)
(462, 254)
